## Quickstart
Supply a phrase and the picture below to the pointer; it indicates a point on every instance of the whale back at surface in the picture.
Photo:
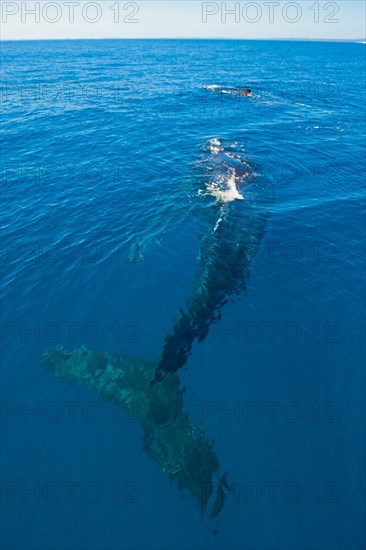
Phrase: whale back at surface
(233, 212)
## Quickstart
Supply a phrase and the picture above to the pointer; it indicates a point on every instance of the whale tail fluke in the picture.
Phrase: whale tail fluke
(169, 438)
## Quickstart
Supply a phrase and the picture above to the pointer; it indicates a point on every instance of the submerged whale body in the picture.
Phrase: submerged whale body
(232, 228)
(232, 204)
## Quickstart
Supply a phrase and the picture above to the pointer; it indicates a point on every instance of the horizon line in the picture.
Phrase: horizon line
(284, 39)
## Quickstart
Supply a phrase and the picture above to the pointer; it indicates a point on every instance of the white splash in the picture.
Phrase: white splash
(224, 189)
(214, 146)
(218, 223)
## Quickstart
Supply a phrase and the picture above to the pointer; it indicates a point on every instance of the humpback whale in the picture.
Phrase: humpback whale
(232, 204)
(234, 226)
(237, 90)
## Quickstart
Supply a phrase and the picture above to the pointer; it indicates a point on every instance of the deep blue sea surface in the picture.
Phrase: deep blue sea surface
(104, 208)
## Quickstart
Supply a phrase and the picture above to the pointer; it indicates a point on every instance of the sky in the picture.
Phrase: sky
(46, 19)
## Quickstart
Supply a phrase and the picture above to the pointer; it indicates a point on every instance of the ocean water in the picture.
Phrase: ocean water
(111, 189)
